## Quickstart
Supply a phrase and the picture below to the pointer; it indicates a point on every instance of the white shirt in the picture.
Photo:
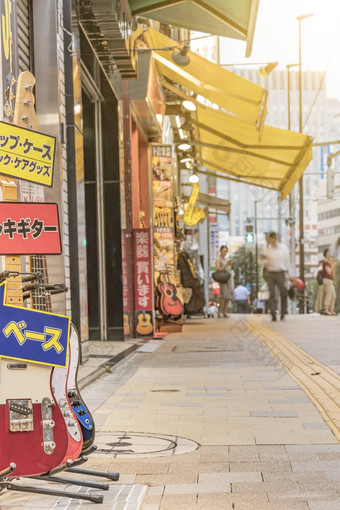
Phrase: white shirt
(276, 258)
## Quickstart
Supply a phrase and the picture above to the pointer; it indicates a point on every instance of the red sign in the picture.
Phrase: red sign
(143, 269)
(29, 229)
(144, 313)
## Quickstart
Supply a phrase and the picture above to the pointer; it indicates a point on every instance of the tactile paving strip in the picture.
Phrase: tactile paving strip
(319, 382)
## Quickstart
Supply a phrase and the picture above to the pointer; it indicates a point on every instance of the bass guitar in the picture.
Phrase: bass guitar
(168, 301)
(79, 408)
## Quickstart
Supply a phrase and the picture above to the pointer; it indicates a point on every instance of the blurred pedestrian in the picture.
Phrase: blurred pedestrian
(335, 253)
(319, 301)
(242, 298)
(275, 258)
(328, 269)
(227, 289)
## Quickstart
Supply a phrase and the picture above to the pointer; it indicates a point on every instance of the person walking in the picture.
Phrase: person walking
(328, 269)
(275, 258)
(242, 298)
(227, 289)
(335, 253)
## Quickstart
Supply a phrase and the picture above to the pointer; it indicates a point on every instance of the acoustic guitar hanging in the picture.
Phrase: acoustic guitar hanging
(169, 303)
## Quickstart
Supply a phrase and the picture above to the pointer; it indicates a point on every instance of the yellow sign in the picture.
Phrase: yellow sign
(26, 154)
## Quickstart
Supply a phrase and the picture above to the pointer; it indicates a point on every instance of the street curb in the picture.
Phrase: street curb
(101, 370)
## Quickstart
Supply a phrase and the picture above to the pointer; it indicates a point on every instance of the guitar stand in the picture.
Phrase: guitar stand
(9, 485)
(110, 475)
(72, 481)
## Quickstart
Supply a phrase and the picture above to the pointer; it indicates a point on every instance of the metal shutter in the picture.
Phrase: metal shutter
(24, 45)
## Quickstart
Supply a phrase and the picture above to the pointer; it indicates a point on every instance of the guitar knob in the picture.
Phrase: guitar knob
(71, 423)
(67, 414)
(49, 424)
(71, 393)
(49, 447)
(81, 412)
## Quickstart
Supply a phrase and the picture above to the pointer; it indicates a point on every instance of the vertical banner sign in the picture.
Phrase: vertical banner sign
(144, 317)
(163, 213)
(8, 56)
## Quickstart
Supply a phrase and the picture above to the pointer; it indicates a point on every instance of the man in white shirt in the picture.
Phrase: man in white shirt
(276, 261)
(241, 294)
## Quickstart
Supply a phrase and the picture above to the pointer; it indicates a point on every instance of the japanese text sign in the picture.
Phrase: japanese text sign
(143, 269)
(26, 154)
(32, 335)
(29, 228)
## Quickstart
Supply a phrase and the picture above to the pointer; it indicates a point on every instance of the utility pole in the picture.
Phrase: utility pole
(301, 198)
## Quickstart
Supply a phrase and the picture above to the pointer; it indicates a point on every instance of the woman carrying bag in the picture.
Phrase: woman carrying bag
(227, 288)
(328, 267)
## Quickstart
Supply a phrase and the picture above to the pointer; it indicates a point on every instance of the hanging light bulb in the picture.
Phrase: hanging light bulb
(193, 179)
(189, 105)
(184, 146)
(185, 160)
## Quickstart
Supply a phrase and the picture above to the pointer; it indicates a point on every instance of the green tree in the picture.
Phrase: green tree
(244, 267)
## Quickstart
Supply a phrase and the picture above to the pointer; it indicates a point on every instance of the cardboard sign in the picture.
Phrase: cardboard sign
(32, 335)
(26, 154)
(29, 229)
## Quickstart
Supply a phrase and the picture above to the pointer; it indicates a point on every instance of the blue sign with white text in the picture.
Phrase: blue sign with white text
(32, 335)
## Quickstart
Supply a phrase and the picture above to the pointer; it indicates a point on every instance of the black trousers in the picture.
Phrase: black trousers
(242, 306)
(277, 279)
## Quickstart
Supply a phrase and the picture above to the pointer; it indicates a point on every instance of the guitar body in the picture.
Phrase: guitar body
(79, 408)
(169, 302)
(26, 400)
(59, 388)
(144, 324)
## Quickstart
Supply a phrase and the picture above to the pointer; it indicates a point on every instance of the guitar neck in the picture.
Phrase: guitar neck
(12, 262)
(40, 298)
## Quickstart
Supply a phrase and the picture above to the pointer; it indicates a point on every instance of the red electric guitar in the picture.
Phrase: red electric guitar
(169, 303)
(41, 300)
(32, 427)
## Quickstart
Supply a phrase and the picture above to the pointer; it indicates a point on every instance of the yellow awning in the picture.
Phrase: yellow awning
(233, 93)
(232, 147)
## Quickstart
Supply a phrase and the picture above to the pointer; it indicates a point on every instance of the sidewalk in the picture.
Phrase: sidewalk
(209, 419)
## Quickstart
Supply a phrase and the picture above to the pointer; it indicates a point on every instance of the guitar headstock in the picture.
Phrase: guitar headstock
(9, 97)
(24, 111)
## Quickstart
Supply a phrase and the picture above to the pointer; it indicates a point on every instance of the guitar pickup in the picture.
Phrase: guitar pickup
(20, 409)
(20, 415)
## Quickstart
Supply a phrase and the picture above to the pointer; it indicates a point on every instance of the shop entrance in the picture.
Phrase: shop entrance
(102, 205)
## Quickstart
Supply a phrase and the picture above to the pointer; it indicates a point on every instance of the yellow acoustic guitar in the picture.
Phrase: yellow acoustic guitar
(144, 325)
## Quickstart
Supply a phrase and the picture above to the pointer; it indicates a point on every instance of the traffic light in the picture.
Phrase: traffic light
(249, 238)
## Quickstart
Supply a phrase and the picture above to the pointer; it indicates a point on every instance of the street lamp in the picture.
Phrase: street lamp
(292, 193)
(301, 236)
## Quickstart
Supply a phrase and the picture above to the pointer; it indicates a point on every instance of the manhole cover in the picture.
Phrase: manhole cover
(119, 444)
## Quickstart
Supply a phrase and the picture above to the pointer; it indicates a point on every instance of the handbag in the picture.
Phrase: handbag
(319, 277)
(221, 276)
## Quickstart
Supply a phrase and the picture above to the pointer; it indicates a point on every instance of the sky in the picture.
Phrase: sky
(277, 38)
